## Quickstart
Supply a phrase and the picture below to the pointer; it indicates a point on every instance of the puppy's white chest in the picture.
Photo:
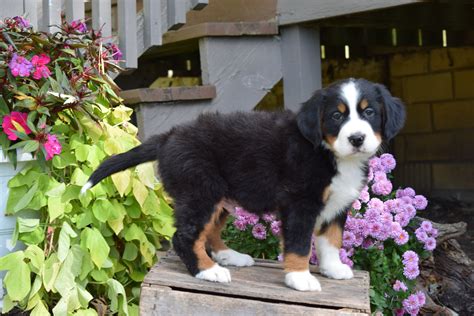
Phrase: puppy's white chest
(344, 189)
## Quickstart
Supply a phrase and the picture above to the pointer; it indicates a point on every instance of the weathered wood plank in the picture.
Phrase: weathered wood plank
(127, 30)
(168, 94)
(161, 300)
(301, 64)
(152, 31)
(221, 29)
(176, 14)
(102, 17)
(74, 10)
(266, 283)
(51, 15)
(291, 11)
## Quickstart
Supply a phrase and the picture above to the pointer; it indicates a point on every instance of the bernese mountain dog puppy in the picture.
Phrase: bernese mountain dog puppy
(309, 167)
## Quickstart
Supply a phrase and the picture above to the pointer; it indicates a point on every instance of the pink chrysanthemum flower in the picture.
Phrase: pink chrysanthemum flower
(259, 231)
(399, 285)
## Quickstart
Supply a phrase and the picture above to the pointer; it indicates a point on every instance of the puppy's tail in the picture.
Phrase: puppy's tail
(143, 153)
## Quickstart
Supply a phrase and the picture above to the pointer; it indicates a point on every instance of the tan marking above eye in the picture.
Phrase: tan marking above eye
(364, 104)
(342, 107)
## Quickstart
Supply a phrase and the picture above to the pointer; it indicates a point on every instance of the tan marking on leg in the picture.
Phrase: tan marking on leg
(293, 262)
(214, 237)
(326, 194)
(364, 104)
(342, 107)
(333, 234)
(199, 248)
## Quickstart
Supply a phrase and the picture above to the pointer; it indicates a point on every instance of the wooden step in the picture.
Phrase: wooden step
(154, 95)
(168, 289)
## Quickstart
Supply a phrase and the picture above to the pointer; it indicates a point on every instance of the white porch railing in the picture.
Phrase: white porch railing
(135, 31)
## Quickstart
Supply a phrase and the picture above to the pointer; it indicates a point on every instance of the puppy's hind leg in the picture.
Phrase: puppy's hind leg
(189, 242)
(220, 252)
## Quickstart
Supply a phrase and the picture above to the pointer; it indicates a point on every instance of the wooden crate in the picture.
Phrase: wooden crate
(168, 289)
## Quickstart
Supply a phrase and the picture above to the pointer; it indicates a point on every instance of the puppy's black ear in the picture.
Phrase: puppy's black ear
(394, 112)
(309, 118)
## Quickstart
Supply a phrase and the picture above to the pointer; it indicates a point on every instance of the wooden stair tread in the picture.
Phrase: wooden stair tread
(220, 29)
(264, 281)
(151, 95)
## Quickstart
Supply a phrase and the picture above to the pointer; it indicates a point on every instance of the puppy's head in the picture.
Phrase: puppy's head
(351, 117)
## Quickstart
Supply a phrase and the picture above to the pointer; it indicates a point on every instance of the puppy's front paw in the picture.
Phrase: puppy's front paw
(215, 274)
(302, 281)
(231, 257)
(337, 271)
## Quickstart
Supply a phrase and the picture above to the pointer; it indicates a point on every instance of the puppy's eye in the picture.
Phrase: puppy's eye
(369, 112)
(336, 116)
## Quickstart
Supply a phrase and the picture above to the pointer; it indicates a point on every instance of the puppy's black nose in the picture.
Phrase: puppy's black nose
(357, 139)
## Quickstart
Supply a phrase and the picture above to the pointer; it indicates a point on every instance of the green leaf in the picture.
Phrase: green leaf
(101, 210)
(134, 232)
(93, 240)
(117, 296)
(140, 192)
(79, 177)
(36, 256)
(130, 252)
(146, 174)
(10, 260)
(64, 241)
(122, 180)
(23, 202)
(65, 159)
(14, 197)
(56, 208)
(8, 305)
(56, 191)
(17, 281)
(40, 310)
(82, 151)
(3, 106)
(50, 271)
(152, 204)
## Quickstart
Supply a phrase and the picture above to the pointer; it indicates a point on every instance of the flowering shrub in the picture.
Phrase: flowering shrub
(380, 236)
(84, 254)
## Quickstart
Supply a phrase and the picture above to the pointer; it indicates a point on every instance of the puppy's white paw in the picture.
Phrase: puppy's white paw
(215, 274)
(231, 257)
(337, 271)
(302, 281)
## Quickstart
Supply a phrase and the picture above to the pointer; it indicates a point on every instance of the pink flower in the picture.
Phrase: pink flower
(399, 285)
(348, 239)
(382, 187)
(375, 164)
(259, 231)
(388, 162)
(20, 66)
(420, 202)
(401, 238)
(364, 196)
(16, 121)
(52, 147)
(268, 217)
(275, 227)
(356, 205)
(376, 203)
(410, 257)
(240, 224)
(421, 235)
(411, 271)
(41, 70)
(426, 225)
(430, 244)
(79, 26)
(21, 21)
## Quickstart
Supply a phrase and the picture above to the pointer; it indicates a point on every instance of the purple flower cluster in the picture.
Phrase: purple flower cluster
(20, 66)
(414, 302)
(244, 219)
(426, 234)
(410, 265)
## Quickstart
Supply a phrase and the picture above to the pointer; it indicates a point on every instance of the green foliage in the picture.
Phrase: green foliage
(84, 253)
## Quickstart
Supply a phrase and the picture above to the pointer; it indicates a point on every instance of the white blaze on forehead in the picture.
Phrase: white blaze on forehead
(350, 93)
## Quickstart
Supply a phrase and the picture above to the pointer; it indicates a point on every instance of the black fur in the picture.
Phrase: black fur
(394, 112)
(263, 161)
